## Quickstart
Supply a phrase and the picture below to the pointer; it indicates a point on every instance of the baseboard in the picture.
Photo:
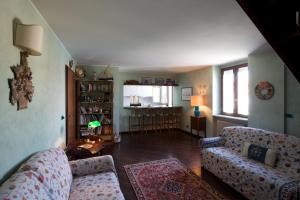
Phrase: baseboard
(151, 131)
(165, 130)
(190, 134)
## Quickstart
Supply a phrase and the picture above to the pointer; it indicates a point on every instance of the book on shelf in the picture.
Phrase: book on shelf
(95, 102)
(85, 119)
(83, 110)
(85, 132)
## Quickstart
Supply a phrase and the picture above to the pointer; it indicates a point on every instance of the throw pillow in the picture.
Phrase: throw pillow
(258, 153)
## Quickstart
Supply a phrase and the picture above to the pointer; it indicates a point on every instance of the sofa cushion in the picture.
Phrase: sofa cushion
(53, 170)
(253, 179)
(23, 185)
(104, 186)
(258, 153)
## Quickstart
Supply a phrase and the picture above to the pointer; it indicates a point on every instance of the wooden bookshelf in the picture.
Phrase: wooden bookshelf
(94, 101)
(151, 84)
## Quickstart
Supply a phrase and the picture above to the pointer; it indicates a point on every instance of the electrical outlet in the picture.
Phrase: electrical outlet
(289, 115)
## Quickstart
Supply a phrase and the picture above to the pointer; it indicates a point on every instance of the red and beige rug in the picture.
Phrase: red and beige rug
(168, 179)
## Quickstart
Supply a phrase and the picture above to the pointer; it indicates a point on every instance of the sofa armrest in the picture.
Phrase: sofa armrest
(92, 165)
(211, 142)
(290, 190)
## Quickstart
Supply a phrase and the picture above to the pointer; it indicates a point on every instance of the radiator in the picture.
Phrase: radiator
(220, 124)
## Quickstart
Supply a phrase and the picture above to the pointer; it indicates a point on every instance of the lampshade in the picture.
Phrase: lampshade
(94, 124)
(30, 38)
(197, 100)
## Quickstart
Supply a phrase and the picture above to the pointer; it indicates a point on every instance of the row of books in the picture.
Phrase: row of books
(95, 87)
(87, 132)
(85, 119)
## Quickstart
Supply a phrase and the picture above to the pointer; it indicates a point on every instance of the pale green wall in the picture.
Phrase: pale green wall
(40, 126)
(292, 104)
(195, 79)
(265, 65)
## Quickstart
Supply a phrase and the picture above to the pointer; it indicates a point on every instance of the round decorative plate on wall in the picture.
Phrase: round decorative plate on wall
(264, 90)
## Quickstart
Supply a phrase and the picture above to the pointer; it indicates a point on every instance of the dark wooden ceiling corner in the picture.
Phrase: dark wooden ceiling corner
(276, 20)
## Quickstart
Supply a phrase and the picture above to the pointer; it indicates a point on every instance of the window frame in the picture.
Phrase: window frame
(169, 101)
(235, 89)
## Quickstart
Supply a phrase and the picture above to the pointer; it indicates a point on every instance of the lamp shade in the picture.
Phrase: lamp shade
(30, 38)
(94, 124)
(197, 100)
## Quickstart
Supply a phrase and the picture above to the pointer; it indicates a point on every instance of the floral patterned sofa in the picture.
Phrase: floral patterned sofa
(222, 156)
(49, 175)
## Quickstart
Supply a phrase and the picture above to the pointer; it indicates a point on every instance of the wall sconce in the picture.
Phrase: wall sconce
(29, 38)
(202, 89)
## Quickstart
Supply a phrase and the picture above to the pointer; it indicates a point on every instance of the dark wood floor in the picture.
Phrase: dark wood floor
(135, 148)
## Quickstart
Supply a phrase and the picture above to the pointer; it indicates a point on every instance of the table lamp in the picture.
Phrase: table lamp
(197, 101)
(93, 124)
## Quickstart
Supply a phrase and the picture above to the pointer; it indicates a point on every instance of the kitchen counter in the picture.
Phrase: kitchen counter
(141, 107)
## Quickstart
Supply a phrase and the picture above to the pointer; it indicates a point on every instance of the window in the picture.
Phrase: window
(235, 93)
(148, 95)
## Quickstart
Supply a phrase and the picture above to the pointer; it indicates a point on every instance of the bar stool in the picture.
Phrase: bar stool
(148, 119)
(166, 118)
(178, 115)
(135, 121)
(172, 118)
(158, 119)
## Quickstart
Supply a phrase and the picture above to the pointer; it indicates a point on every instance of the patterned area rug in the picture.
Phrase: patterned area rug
(168, 179)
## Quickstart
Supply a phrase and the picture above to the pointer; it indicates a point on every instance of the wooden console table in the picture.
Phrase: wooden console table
(199, 124)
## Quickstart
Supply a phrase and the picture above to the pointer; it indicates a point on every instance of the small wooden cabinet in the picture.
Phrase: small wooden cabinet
(198, 124)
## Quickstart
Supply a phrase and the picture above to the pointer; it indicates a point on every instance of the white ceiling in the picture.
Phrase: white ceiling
(166, 35)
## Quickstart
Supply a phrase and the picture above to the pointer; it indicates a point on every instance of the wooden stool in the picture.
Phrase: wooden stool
(172, 118)
(135, 120)
(148, 119)
(158, 119)
(178, 115)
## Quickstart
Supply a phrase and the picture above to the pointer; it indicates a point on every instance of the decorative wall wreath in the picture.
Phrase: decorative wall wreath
(21, 87)
(264, 90)
(80, 72)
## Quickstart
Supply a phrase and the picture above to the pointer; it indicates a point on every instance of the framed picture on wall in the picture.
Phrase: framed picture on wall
(186, 93)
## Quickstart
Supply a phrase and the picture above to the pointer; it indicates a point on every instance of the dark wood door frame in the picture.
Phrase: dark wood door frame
(70, 106)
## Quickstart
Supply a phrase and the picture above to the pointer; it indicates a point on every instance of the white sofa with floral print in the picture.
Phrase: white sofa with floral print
(222, 156)
(48, 175)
